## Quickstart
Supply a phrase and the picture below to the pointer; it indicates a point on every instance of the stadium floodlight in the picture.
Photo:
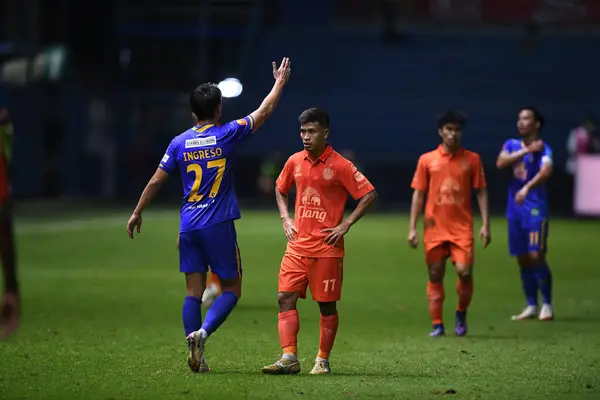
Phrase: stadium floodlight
(49, 65)
(230, 87)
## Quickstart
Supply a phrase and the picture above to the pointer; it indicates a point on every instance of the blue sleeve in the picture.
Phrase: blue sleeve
(240, 129)
(546, 156)
(169, 160)
(508, 146)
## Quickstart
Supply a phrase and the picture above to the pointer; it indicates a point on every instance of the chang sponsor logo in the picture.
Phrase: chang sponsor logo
(310, 205)
(450, 193)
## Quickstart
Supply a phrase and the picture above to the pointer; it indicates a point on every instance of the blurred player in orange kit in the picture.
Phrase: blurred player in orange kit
(447, 175)
(213, 286)
(315, 249)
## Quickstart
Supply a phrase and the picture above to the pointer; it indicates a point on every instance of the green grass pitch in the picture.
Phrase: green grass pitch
(102, 319)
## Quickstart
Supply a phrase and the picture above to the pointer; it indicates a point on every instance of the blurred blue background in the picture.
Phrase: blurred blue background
(96, 90)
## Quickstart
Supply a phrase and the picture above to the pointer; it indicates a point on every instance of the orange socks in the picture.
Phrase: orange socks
(328, 327)
(465, 293)
(288, 325)
(435, 296)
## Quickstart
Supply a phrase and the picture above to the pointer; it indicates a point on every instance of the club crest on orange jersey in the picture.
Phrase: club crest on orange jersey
(298, 170)
(327, 174)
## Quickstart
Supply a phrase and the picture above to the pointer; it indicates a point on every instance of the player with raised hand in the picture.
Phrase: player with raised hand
(204, 156)
(446, 175)
(530, 160)
(315, 249)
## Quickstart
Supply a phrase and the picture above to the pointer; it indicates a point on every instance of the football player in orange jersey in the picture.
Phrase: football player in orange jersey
(447, 175)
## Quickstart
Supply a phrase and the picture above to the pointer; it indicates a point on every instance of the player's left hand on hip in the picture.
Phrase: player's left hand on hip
(485, 236)
(135, 221)
(10, 313)
(335, 234)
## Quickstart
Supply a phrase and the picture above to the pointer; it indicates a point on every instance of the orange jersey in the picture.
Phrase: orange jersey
(322, 188)
(448, 180)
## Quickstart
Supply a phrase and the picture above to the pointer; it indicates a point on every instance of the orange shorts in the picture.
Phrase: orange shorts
(322, 275)
(459, 251)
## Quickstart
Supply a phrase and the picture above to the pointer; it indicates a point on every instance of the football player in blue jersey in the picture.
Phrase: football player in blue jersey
(204, 155)
(530, 161)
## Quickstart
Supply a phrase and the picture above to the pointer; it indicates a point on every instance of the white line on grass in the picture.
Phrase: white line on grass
(79, 225)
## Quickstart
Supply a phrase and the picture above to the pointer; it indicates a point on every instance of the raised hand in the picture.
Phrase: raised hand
(282, 74)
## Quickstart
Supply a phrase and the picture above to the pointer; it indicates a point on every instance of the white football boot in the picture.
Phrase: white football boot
(528, 313)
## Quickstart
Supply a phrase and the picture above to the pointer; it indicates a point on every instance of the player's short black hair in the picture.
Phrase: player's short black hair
(314, 114)
(537, 115)
(205, 100)
(451, 117)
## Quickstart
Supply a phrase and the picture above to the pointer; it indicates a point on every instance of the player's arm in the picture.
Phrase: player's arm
(416, 208)
(419, 184)
(152, 188)
(266, 108)
(359, 187)
(539, 179)
(545, 170)
(362, 207)
(507, 159)
(480, 185)
(167, 165)
(282, 187)
(484, 208)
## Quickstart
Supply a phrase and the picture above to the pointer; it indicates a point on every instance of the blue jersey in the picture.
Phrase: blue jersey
(528, 228)
(536, 203)
(204, 157)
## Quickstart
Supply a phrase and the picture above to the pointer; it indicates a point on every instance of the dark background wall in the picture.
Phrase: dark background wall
(383, 69)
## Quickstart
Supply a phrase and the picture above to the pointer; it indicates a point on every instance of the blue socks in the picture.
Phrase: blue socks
(535, 278)
(191, 314)
(530, 286)
(219, 311)
(544, 282)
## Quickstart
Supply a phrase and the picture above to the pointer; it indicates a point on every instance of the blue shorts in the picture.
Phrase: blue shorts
(527, 235)
(214, 247)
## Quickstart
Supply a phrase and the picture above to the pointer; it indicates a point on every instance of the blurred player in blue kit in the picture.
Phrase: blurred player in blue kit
(204, 155)
(530, 160)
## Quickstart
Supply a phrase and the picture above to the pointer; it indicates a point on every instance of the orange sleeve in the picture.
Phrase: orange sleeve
(355, 182)
(478, 174)
(421, 178)
(286, 177)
